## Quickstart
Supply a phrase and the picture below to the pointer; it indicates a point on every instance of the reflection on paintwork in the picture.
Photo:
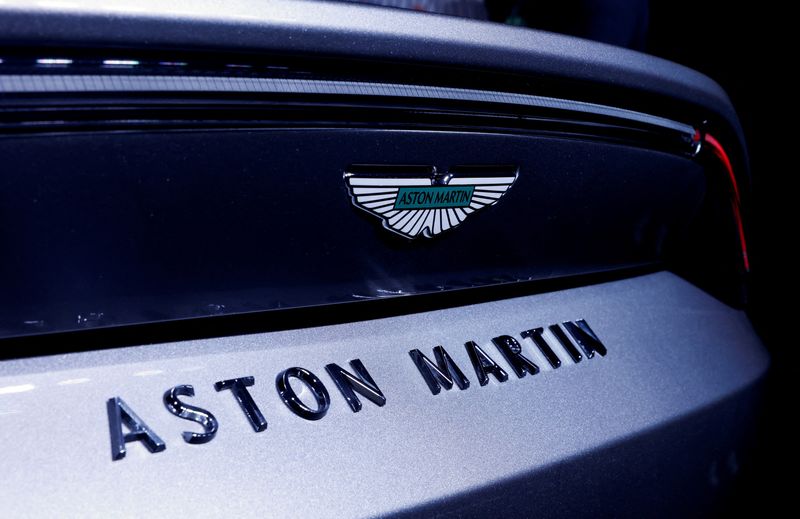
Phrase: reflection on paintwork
(73, 381)
(148, 373)
(22, 388)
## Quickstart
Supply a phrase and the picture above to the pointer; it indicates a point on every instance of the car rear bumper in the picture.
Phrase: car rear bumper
(654, 426)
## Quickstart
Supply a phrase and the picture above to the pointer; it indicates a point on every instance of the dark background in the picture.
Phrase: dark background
(741, 46)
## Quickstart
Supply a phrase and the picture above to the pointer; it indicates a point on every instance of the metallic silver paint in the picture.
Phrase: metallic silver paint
(672, 350)
(337, 29)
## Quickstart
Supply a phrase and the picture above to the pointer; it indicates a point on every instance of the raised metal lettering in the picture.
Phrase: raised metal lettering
(350, 384)
(291, 399)
(535, 335)
(191, 413)
(566, 343)
(238, 387)
(512, 351)
(120, 413)
(444, 373)
(484, 364)
(585, 337)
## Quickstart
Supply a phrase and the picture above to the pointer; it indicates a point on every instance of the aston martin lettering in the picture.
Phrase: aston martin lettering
(442, 372)
(415, 206)
(433, 197)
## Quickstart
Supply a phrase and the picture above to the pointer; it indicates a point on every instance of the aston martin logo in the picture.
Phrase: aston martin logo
(415, 206)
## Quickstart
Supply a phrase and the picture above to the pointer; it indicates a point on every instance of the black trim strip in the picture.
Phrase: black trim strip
(293, 318)
(69, 84)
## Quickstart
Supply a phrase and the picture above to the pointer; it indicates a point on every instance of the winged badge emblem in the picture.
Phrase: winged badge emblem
(429, 205)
